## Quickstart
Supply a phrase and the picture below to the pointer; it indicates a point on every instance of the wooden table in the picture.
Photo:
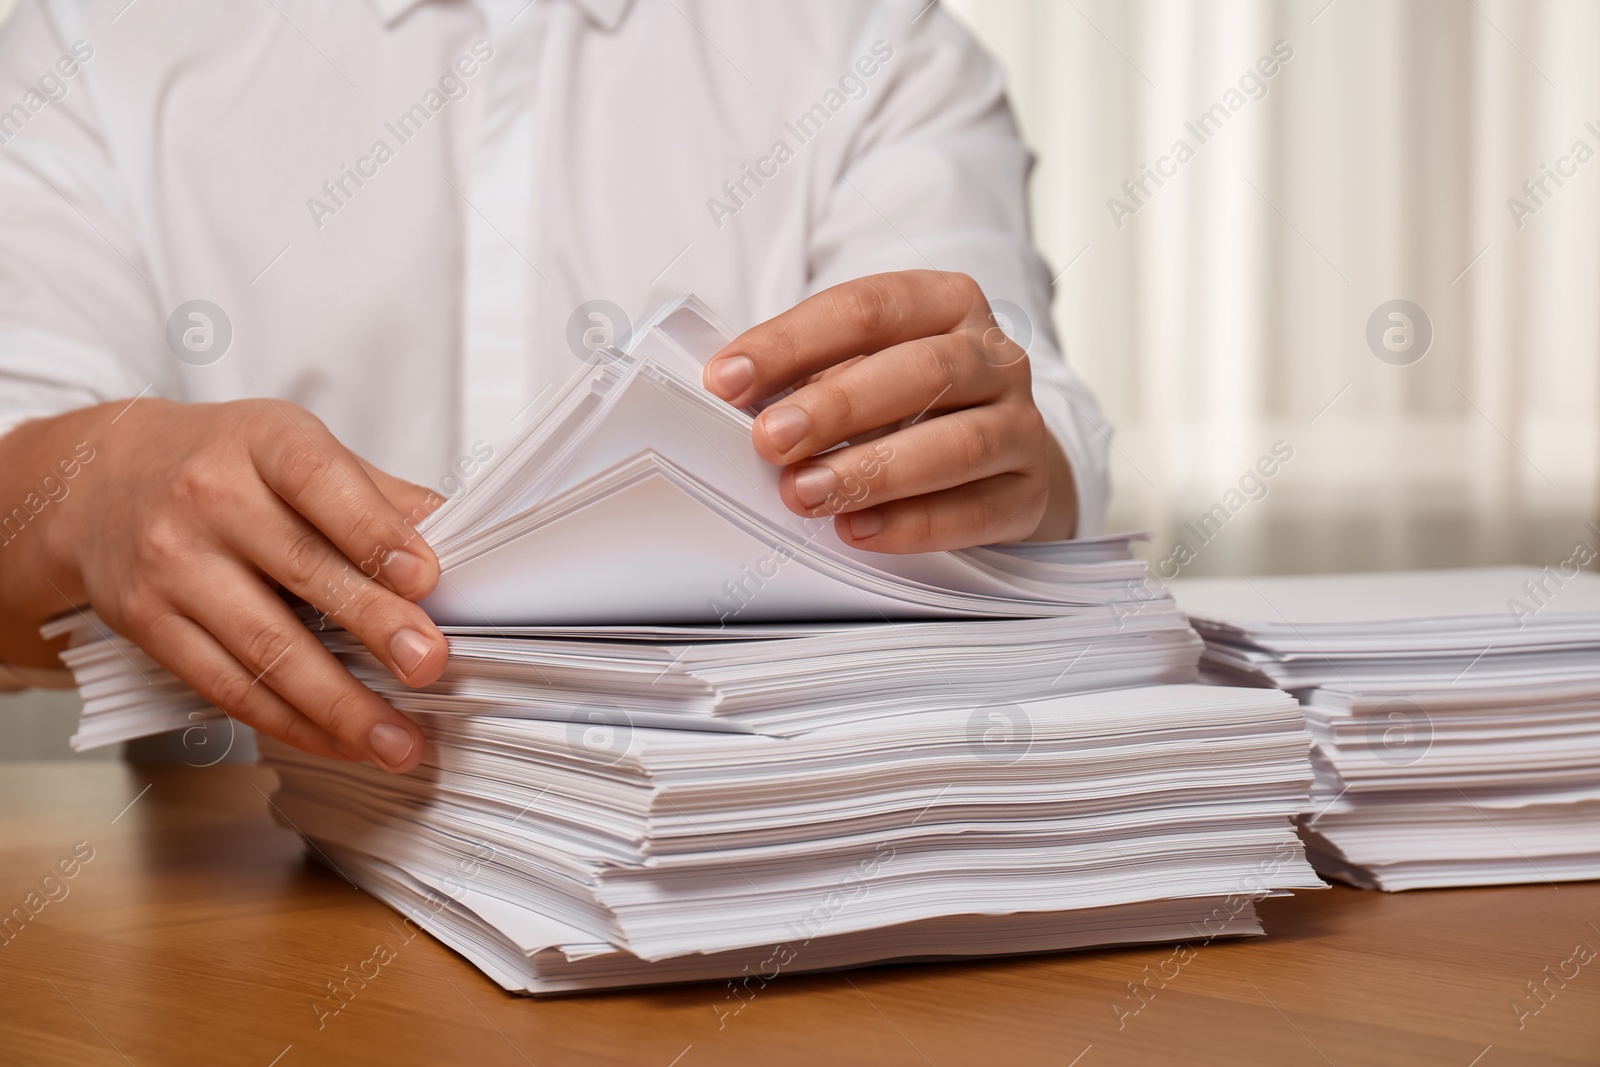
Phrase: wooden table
(198, 933)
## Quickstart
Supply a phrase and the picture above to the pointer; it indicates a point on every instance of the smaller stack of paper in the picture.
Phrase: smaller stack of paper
(1455, 715)
(766, 678)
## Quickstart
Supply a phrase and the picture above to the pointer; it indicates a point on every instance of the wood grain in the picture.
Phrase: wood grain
(198, 933)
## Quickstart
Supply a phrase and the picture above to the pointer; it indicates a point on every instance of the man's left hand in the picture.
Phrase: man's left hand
(946, 448)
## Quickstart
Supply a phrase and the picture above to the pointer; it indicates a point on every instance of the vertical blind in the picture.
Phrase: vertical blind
(1235, 196)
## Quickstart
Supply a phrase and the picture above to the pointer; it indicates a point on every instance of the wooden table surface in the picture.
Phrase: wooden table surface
(198, 933)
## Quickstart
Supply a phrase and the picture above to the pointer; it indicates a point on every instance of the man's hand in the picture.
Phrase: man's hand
(180, 528)
(947, 449)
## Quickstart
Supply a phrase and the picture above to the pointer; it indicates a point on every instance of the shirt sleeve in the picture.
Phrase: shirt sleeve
(935, 175)
(75, 296)
(77, 309)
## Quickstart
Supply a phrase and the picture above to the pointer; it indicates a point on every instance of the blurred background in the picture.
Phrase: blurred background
(1445, 154)
(1227, 308)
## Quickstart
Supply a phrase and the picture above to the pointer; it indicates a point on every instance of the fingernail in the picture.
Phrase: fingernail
(409, 649)
(404, 571)
(391, 744)
(864, 524)
(730, 376)
(813, 485)
(785, 426)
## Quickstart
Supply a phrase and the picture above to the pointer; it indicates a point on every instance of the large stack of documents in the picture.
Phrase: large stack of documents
(686, 734)
(1455, 715)
(562, 856)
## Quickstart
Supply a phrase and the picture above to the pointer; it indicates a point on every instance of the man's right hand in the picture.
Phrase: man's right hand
(180, 530)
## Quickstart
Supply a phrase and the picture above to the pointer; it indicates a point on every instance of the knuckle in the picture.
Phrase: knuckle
(303, 555)
(853, 486)
(864, 306)
(368, 527)
(952, 364)
(344, 712)
(933, 369)
(140, 611)
(874, 470)
(975, 441)
(835, 411)
(201, 483)
(303, 466)
(229, 689)
(981, 515)
(264, 643)
(162, 543)
(347, 596)
(782, 350)
(361, 604)
(303, 734)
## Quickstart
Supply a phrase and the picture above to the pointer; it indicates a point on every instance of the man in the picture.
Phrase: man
(268, 269)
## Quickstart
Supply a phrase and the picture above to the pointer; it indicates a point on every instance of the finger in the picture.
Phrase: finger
(1004, 508)
(942, 453)
(276, 649)
(415, 502)
(826, 371)
(296, 554)
(317, 476)
(906, 381)
(861, 316)
(194, 656)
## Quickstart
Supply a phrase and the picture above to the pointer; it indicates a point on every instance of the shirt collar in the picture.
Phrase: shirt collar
(604, 13)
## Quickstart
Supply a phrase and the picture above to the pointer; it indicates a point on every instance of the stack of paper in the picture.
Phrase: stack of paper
(771, 678)
(687, 734)
(562, 857)
(1455, 713)
(637, 497)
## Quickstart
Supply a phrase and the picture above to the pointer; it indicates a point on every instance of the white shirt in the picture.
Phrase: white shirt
(398, 205)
